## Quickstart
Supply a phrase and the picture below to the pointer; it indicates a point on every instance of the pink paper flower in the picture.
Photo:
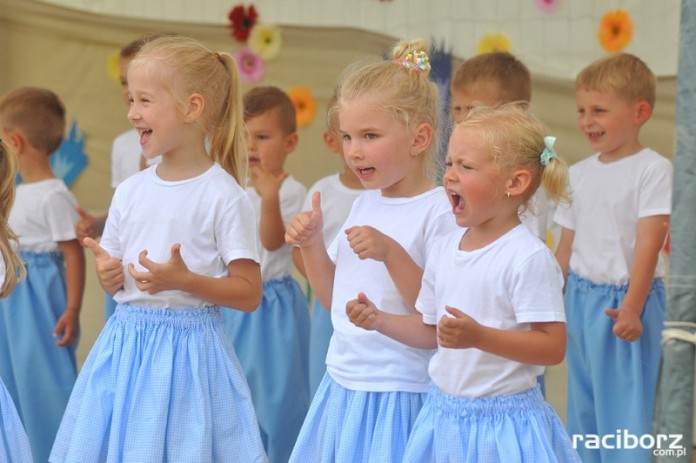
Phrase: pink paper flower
(251, 66)
(546, 6)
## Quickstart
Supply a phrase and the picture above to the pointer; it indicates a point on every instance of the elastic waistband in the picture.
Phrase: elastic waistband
(584, 283)
(188, 316)
(40, 258)
(523, 402)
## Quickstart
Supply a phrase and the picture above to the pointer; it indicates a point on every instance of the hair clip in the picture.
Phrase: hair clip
(548, 152)
(416, 60)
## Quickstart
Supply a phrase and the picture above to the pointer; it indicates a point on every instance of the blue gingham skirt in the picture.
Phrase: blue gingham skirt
(346, 426)
(14, 443)
(514, 428)
(160, 385)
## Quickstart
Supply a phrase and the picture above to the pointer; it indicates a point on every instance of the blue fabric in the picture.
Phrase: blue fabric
(320, 333)
(160, 385)
(272, 344)
(518, 428)
(346, 426)
(611, 382)
(38, 374)
(109, 306)
(14, 443)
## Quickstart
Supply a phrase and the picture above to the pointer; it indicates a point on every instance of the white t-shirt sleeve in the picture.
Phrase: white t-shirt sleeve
(61, 215)
(237, 232)
(537, 289)
(655, 194)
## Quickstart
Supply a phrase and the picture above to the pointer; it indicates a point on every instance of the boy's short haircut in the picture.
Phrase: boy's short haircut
(38, 113)
(512, 76)
(260, 100)
(624, 73)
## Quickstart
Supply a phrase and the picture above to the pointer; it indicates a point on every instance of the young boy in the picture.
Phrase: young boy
(272, 343)
(39, 321)
(611, 238)
(338, 191)
(492, 79)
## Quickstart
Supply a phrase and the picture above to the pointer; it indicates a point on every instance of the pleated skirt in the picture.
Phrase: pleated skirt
(517, 428)
(347, 426)
(14, 443)
(160, 385)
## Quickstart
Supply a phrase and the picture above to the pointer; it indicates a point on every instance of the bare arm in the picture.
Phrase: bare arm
(271, 226)
(297, 260)
(544, 344)
(68, 325)
(564, 250)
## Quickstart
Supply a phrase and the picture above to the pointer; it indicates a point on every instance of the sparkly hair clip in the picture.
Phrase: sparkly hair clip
(417, 60)
(548, 152)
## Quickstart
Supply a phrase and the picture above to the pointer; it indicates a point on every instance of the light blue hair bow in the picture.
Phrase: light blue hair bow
(548, 152)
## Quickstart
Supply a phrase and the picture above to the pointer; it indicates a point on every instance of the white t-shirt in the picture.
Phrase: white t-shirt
(278, 263)
(44, 213)
(508, 284)
(608, 199)
(210, 215)
(125, 157)
(367, 360)
(336, 201)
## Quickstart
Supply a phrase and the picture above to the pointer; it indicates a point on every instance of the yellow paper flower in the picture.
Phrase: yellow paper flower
(495, 42)
(113, 67)
(615, 30)
(305, 105)
(265, 40)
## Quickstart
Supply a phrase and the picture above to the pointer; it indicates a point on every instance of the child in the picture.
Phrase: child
(39, 321)
(374, 387)
(273, 343)
(14, 443)
(126, 157)
(609, 248)
(162, 382)
(495, 293)
(492, 79)
(338, 191)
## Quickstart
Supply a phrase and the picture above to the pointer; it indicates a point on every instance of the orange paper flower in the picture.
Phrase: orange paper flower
(490, 43)
(615, 30)
(305, 105)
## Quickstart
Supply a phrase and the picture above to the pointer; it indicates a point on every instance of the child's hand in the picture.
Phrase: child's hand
(266, 183)
(87, 226)
(369, 243)
(362, 312)
(160, 277)
(459, 331)
(305, 228)
(67, 328)
(627, 324)
(109, 269)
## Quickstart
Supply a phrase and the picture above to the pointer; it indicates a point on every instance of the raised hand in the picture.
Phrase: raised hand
(369, 243)
(305, 228)
(88, 226)
(160, 277)
(362, 312)
(459, 331)
(266, 183)
(109, 269)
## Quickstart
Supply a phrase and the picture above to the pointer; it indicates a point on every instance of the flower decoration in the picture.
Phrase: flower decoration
(547, 6)
(265, 40)
(251, 66)
(113, 67)
(305, 105)
(493, 43)
(615, 30)
(242, 21)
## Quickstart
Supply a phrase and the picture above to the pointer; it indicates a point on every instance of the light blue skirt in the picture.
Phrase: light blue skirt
(272, 344)
(38, 374)
(346, 426)
(511, 429)
(160, 385)
(14, 443)
(320, 334)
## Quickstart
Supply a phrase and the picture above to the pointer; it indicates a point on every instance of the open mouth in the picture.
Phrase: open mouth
(365, 171)
(144, 135)
(456, 202)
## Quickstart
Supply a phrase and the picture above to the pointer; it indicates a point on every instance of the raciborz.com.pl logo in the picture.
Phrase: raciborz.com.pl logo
(658, 444)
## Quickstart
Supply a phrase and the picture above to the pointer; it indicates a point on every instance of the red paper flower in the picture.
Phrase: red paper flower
(242, 21)
(615, 30)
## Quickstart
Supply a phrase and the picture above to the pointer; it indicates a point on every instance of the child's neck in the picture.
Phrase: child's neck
(33, 171)
(481, 236)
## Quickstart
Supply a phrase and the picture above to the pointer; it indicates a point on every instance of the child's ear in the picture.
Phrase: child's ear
(196, 105)
(332, 143)
(17, 141)
(291, 142)
(519, 182)
(422, 138)
(643, 112)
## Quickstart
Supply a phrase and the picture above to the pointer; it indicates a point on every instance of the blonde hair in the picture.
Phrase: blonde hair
(14, 269)
(511, 76)
(624, 73)
(38, 113)
(515, 139)
(407, 93)
(188, 67)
